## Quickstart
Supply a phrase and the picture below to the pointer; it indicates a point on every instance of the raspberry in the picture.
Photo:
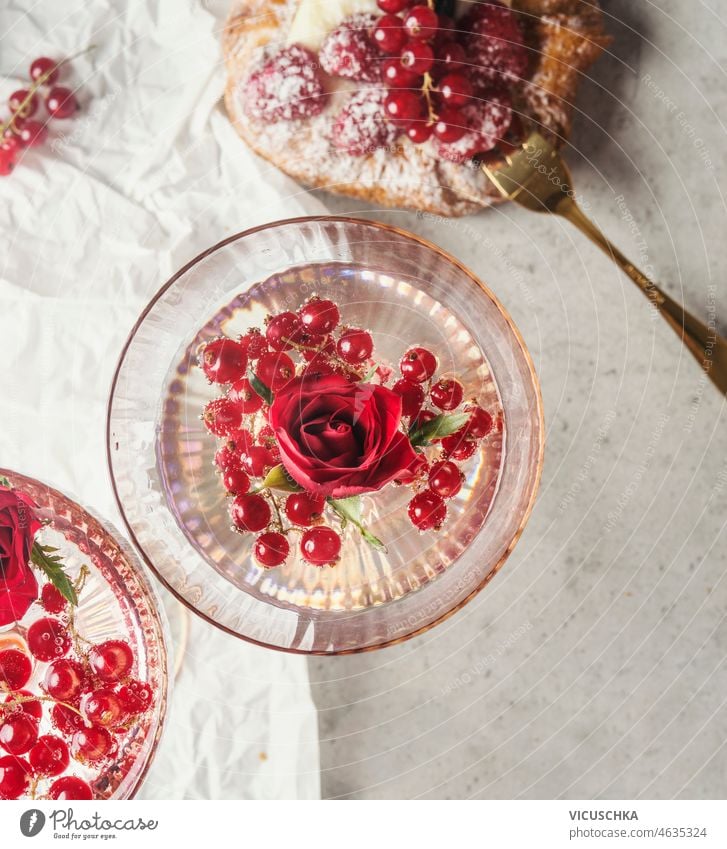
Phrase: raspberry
(287, 87)
(488, 120)
(494, 43)
(348, 51)
(361, 126)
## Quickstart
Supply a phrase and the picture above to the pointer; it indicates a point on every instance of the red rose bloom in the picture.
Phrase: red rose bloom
(341, 439)
(18, 527)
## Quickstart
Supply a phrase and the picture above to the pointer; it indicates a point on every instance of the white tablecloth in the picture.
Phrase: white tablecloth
(145, 177)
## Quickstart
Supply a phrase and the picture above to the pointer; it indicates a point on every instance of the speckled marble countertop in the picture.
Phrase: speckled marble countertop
(594, 665)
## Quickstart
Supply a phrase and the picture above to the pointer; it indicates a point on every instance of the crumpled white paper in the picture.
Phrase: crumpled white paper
(149, 174)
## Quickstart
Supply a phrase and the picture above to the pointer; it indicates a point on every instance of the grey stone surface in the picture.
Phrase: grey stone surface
(594, 665)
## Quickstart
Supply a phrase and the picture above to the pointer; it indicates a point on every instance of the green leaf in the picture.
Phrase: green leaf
(4, 482)
(51, 564)
(279, 478)
(370, 373)
(349, 510)
(437, 428)
(262, 390)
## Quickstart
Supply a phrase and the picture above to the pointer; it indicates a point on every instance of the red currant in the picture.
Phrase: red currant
(49, 756)
(427, 510)
(61, 102)
(451, 125)
(15, 774)
(393, 6)
(42, 66)
(253, 344)
(455, 89)
(17, 98)
(242, 393)
(223, 360)
(355, 346)
(419, 132)
(69, 788)
(389, 35)
(459, 446)
(326, 349)
(10, 144)
(416, 57)
(250, 513)
(275, 370)
(91, 745)
(451, 57)
(320, 546)
(52, 599)
(402, 106)
(271, 549)
(227, 457)
(111, 660)
(7, 162)
(421, 23)
(445, 479)
(66, 720)
(412, 396)
(480, 423)
(304, 509)
(222, 416)
(15, 668)
(395, 76)
(447, 394)
(418, 364)
(102, 707)
(257, 461)
(236, 481)
(319, 317)
(48, 639)
(64, 679)
(135, 696)
(33, 133)
(32, 707)
(282, 331)
(18, 733)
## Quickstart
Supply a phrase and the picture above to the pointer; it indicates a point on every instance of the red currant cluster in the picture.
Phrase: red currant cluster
(257, 365)
(91, 697)
(23, 129)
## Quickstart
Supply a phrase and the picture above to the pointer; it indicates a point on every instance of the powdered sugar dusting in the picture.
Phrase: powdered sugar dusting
(348, 51)
(361, 125)
(286, 87)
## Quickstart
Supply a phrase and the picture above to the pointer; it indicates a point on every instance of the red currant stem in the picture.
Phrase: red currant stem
(17, 700)
(329, 357)
(35, 85)
(276, 507)
(427, 87)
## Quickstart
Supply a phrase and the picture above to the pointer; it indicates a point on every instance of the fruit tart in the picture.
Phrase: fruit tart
(398, 102)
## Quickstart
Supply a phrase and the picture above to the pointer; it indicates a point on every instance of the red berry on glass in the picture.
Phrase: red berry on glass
(418, 364)
(271, 549)
(52, 599)
(61, 102)
(416, 57)
(223, 360)
(412, 396)
(275, 369)
(319, 316)
(320, 546)
(445, 479)
(49, 756)
(282, 331)
(250, 513)
(304, 509)
(257, 461)
(64, 680)
(459, 446)
(69, 788)
(17, 98)
(111, 660)
(44, 66)
(135, 696)
(18, 733)
(421, 23)
(480, 423)
(102, 707)
(48, 639)
(427, 511)
(15, 668)
(222, 416)
(242, 394)
(253, 343)
(31, 706)
(236, 481)
(15, 774)
(389, 34)
(355, 346)
(447, 394)
(92, 745)
(65, 719)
